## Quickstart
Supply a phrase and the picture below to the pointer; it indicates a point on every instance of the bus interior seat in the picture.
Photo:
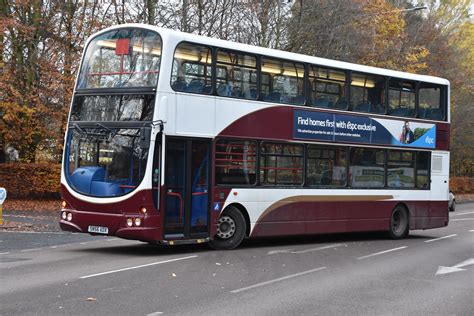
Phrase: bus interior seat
(399, 112)
(224, 90)
(179, 85)
(236, 92)
(435, 114)
(253, 93)
(411, 111)
(422, 112)
(326, 181)
(195, 86)
(274, 96)
(341, 104)
(326, 177)
(299, 99)
(207, 89)
(363, 106)
(377, 108)
(321, 102)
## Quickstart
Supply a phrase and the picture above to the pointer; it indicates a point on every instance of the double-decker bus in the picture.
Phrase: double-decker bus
(177, 138)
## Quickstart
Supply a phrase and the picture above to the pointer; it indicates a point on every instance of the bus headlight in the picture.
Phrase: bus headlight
(143, 210)
(64, 204)
(69, 217)
(138, 221)
(63, 215)
(129, 222)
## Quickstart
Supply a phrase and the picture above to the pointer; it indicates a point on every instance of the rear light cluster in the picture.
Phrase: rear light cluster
(66, 216)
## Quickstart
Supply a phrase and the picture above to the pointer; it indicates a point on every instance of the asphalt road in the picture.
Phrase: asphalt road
(431, 272)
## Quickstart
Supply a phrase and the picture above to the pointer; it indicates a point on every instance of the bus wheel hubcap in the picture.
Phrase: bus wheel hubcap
(226, 227)
(396, 221)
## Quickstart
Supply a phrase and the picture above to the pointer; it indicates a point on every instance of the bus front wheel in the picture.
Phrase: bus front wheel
(231, 229)
(399, 223)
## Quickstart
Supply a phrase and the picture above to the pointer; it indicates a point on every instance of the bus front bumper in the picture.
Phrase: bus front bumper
(112, 225)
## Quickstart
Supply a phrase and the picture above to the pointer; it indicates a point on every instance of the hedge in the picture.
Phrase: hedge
(461, 185)
(39, 181)
(42, 181)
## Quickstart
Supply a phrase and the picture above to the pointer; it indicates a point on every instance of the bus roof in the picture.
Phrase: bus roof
(188, 37)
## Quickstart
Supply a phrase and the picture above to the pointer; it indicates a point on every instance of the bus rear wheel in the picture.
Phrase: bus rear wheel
(399, 223)
(231, 229)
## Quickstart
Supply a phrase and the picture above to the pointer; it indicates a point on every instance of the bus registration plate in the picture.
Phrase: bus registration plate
(98, 229)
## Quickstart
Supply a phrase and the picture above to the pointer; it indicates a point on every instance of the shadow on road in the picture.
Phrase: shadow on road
(144, 250)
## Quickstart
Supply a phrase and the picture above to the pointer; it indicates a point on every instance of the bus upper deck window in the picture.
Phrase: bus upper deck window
(401, 97)
(287, 81)
(236, 75)
(431, 101)
(192, 69)
(127, 57)
(367, 93)
(327, 88)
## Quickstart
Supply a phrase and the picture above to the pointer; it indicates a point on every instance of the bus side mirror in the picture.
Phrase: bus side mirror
(145, 136)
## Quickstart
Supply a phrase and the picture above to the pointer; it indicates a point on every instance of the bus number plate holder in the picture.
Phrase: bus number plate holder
(98, 229)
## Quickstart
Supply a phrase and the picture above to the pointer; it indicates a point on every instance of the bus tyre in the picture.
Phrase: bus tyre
(399, 223)
(231, 229)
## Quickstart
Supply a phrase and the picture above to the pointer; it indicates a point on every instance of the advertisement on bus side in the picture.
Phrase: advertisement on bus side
(359, 129)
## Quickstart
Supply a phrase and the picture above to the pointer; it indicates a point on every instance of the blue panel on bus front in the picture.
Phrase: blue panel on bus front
(364, 130)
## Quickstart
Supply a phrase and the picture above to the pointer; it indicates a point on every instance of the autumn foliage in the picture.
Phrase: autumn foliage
(41, 44)
(31, 180)
(461, 185)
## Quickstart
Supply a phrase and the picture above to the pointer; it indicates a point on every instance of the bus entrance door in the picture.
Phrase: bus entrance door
(187, 188)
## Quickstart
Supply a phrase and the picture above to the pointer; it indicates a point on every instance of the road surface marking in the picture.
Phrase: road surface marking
(472, 231)
(4, 253)
(456, 268)
(444, 237)
(28, 250)
(26, 232)
(465, 213)
(381, 252)
(278, 251)
(277, 280)
(155, 313)
(137, 267)
(318, 248)
(461, 219)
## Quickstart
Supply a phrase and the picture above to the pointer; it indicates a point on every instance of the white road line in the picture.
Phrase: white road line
(137, 267)
(28, 250)
(461, 219)
(465, 213)
(4, 253)
(472, 231)
(318, 248)
(444, 237)
(27, 232)
(382, 252)
(155, 313)
(277, 280)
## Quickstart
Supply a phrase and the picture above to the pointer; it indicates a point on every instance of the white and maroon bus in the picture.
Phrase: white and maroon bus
(177, 138)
